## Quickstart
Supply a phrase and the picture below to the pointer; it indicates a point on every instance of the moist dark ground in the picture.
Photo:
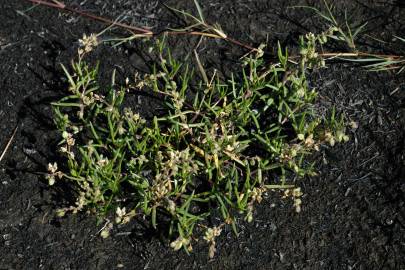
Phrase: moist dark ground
(353, 214)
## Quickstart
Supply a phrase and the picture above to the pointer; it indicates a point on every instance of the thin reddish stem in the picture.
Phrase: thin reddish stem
(63, 7)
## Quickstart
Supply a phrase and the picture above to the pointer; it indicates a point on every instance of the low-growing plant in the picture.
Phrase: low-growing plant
(217, 146)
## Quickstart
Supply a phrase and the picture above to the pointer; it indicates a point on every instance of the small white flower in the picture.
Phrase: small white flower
(102, 161)
(212, 233)
(69, 138)
(121, 212)
(179, 243)
(330, 138)
(297, 192)
(52, 168)
(87, 100)
(297, 205)
(257, 195)
(176, 244)
(52, 172)
(136, 117)
(87, 43)
(309, 141)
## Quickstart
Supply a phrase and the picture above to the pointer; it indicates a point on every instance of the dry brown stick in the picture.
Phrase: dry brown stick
(8, 144)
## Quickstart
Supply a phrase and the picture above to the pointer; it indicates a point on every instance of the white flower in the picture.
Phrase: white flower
(52, 168)
(70, 141)
(179, 243)
(102, 161)
(257, 195)
(121, 212)
(330, 138)
(52, 172)
(69, 138)
(87, 43)
(297, 192)
(136, 117)
(211, 233)
(309, 141)
(87, 100)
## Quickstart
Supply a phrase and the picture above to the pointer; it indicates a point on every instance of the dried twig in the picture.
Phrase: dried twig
(8, 144)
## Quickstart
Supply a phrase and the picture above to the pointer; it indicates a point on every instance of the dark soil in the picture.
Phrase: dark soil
(353, 213)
